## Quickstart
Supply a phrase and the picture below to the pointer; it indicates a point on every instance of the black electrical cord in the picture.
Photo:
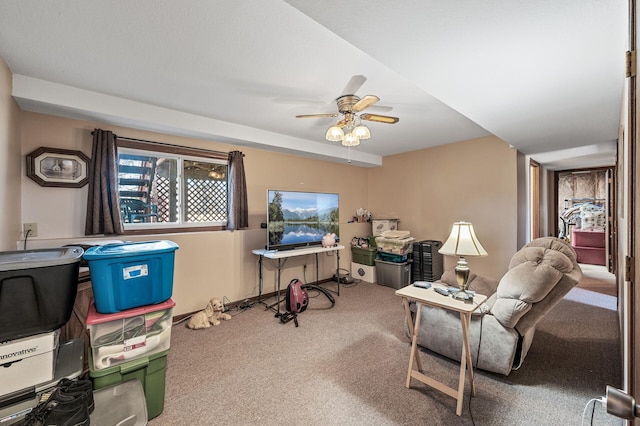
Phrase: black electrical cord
(26, 235)
(240, 307)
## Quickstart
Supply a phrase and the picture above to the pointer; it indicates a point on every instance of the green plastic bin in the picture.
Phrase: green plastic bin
(150, 370)
(363, 256)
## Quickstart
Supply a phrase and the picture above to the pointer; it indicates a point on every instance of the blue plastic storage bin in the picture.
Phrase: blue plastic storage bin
(130, 275)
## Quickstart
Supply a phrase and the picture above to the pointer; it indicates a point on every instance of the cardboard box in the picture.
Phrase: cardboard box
(122, 336)
(27, 362)
(363, 272)
(381, 225)
(69, 364)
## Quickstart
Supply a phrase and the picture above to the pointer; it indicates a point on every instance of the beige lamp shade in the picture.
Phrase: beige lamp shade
(463, 241)
(350, 140)
(362, 132)
(334, 134)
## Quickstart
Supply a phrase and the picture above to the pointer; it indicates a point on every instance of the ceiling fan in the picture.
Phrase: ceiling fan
(349, 105)
(349, 130)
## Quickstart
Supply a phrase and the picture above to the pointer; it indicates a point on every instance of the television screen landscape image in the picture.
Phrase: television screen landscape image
(297, 219)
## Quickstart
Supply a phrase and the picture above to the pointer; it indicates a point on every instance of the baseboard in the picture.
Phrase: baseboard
(248, 301)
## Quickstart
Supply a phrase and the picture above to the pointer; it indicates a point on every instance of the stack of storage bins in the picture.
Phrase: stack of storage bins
(130, 319)
(37, 292)
(589, 245)
(428, 263)
(363, 255)
(393, 265)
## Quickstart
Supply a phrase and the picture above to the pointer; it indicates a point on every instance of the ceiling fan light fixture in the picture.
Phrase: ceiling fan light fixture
(350, 140)
(334, 134)
(349, 130)
(362, 132)
(216, 174)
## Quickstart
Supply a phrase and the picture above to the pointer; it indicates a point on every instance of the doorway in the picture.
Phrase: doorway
(583, 213)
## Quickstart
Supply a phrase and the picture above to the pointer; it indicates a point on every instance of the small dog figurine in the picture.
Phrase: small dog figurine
(211, 315)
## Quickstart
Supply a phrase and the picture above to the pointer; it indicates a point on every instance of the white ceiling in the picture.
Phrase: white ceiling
(546, 76)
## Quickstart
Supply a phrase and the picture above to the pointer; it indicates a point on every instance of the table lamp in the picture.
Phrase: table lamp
(462, 242)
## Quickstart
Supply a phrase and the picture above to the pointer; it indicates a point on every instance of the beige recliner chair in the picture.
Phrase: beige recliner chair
(539, 275)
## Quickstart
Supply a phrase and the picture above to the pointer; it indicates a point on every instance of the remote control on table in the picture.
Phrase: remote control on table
(442, 291)
(422, 284)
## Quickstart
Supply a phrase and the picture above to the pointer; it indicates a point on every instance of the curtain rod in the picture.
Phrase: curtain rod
(172, 145)
(168, 144)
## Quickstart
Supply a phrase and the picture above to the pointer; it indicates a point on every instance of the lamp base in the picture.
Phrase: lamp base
(462, 277)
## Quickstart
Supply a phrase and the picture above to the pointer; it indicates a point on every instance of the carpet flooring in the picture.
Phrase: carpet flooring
(596, 278)
(347, 365)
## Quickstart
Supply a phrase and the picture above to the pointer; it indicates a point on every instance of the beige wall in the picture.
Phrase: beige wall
(474, 181)
(427, 190)
(10, 163)
(209, 263)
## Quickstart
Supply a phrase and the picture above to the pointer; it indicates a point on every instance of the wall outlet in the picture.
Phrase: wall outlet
(31, 228)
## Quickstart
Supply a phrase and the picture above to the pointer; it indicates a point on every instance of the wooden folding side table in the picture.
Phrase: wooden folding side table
(431, 298)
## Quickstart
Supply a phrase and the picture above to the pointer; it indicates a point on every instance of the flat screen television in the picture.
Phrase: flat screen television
(299, 219)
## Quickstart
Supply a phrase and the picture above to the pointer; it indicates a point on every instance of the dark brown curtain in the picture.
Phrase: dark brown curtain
(103, 209)
(238, 206)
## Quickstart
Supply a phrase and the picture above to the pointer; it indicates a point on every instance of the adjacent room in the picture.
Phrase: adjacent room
(346, 213)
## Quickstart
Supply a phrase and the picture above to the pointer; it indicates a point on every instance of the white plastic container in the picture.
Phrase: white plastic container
(122, 336)
(363, 272)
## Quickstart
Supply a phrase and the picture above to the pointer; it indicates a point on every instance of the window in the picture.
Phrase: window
(170, 187)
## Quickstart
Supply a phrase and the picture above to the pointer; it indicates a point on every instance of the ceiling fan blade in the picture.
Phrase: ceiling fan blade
(316, 115)
(379, 118)
(353, 85)
(364, 103)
